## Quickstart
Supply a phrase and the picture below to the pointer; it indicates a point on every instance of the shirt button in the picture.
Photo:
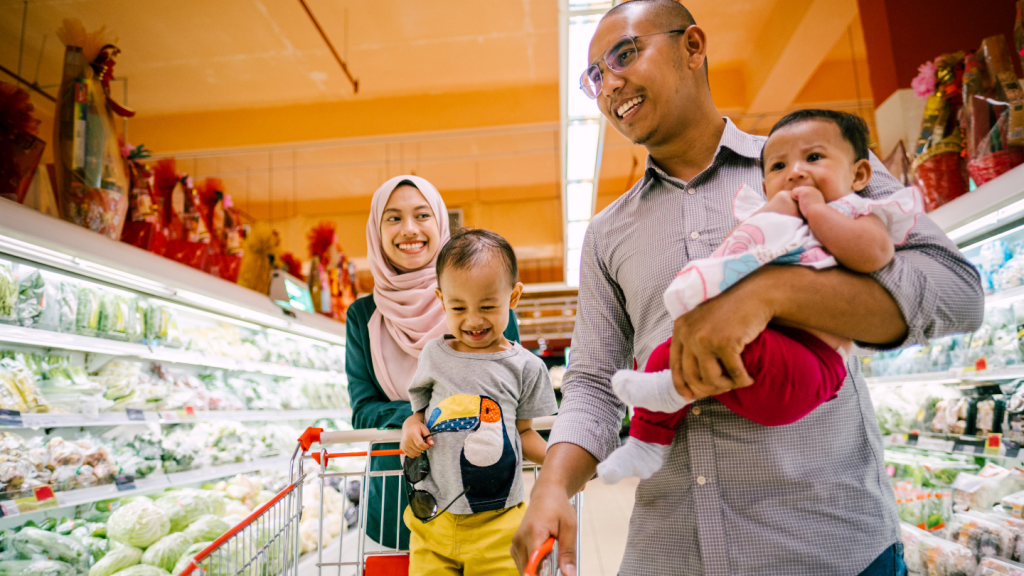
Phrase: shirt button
(695, 411)
(701, 480)
(692, 191)
(694, 235)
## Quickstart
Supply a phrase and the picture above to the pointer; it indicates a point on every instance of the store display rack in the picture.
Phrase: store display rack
(61, 341)
(167, 417)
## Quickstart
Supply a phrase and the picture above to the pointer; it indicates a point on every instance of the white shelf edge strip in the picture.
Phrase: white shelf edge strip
(160, 481)
(48, 339)
(174, 417)
(951, 376)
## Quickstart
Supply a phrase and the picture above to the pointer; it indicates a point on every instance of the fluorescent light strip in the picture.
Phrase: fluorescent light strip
(1005, 213)
(319, 335)
(211, 315)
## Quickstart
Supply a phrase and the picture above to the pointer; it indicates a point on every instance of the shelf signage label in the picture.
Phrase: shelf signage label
(10, 418)
(124, 482)
(136, 414)
(969, 445)
(9, 509)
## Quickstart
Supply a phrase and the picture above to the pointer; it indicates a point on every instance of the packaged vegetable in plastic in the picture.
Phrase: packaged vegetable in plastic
(10, 395)
(96, 546)
(207, 527)
(165, 553)
(994, 566)
(87, 320)
(143, 570)
(57, 547)
(8, 293)
(115, 560)
(31, 291)
(183, 508)
(68, 306)
(982, 537)
(25, 381)
(113, 314)
(187, 557)
(139, 523)
(36, 568)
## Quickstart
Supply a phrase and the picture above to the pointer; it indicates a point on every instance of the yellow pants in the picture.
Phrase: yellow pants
(466, 544)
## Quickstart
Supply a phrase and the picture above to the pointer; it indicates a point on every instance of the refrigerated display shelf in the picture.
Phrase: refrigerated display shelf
(167, 417)
(951, 376)
(951, 444)
(62, 341)
(155, 482)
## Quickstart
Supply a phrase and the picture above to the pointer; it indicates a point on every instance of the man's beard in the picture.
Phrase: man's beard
(643, 140)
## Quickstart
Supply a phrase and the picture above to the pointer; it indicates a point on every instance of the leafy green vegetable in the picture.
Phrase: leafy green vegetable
(143, 570)
(183, 508)
(36, 568)
(88, 316)
(187, 557)
(139, 523)
(8, 291)
(207, 527)
(165, 553)
(55, 546)
(116, 560)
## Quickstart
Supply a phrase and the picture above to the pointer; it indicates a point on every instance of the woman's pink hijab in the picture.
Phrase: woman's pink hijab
(408, 313)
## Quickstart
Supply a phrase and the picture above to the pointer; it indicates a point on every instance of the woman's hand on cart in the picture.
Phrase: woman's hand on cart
(550, 516)
(415, 436)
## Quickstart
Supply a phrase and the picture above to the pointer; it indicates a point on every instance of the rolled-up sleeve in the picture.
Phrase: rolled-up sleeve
(590, 415)
(937, 289)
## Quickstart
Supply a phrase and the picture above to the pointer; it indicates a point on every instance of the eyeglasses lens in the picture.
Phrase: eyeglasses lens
(423, 504)
(416, 469)
(621, 56)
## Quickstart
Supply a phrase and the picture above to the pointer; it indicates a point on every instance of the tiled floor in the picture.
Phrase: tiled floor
(606, 511)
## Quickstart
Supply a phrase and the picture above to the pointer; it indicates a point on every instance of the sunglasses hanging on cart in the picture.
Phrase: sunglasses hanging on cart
(422, 503)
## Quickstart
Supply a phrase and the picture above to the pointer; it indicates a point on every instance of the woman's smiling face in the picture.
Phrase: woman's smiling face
(409, 230)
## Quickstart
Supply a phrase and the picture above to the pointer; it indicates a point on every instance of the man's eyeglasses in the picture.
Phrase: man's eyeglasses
(422, 503)
(618, 58)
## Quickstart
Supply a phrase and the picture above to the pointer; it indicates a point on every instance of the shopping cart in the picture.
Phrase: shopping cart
(268, 542)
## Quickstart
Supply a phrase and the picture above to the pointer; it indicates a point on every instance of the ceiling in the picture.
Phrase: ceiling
(190, 63)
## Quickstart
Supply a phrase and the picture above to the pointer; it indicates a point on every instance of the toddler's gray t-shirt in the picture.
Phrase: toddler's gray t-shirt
(472, 402)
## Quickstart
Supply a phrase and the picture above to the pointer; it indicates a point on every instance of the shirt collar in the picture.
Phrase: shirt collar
(733, 138)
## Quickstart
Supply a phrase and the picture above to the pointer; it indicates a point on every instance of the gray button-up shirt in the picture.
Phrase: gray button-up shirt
(735, 497)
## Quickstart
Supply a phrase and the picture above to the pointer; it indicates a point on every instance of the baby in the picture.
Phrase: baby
(473, 396)
(815, 162)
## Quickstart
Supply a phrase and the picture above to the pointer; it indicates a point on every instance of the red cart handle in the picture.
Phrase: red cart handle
(538, 556)
(309, 437)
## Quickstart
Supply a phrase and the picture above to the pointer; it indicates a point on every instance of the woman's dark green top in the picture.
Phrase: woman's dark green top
(371, 408)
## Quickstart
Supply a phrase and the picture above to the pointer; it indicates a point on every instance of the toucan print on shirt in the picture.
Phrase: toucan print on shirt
(470, 403)
(487, 462)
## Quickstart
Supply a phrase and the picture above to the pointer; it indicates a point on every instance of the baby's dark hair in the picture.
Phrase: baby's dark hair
(852, 127)
(471, 246)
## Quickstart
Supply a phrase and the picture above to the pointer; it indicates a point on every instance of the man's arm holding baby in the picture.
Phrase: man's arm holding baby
(860, 244)
(533, 445)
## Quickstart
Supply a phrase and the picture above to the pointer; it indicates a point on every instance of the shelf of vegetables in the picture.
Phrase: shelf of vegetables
(126, 374)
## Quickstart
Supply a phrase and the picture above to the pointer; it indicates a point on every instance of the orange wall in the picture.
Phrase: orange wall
(346, 119)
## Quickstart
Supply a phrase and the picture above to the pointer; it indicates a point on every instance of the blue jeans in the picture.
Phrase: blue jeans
(889, 563)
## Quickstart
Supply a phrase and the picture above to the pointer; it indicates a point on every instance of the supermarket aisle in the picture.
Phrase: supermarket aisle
(606, 511)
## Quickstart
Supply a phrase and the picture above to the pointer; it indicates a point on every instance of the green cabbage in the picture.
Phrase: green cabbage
(165, 553)
(55, 546)
(217, 501)
(187, 557)
(183, 508)
(36, 568)
(116, 560)
(139, 523)
(207, 527)
(96, 546)
(143, 570)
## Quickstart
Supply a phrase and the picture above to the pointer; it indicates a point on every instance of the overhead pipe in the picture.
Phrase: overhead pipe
(344, 67)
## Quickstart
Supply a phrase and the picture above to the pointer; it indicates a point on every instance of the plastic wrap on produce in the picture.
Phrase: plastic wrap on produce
(930, 555)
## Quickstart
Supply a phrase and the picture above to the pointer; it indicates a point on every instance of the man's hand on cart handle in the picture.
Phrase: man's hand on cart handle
(415, 436)
(549, 515)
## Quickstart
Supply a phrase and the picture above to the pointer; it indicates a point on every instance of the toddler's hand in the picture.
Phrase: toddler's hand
(807, 197)
(414, 436)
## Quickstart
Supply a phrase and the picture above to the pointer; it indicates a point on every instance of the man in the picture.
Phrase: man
(733, 497)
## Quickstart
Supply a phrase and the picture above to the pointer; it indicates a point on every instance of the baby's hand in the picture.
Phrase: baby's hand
(807, 197)
(414, 436)
(782, 203)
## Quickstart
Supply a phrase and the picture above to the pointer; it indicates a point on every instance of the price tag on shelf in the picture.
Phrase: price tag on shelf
(44, 420)
(912, 439)
(169, 416)
(125, 482)
(10, 418)
(136, 414)
(190, 411)
(9, 509)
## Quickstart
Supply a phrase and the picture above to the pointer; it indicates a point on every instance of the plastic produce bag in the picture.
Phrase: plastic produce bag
(184, 508)
(994, 566)
(55, 546)
(87, 319)
(8, 293)
(926, 554)
(116, 560)
(68, 315)
(113, 314)
(31, 291)
(36, 568)
(165, 553)
(139, 523)
(206, 527)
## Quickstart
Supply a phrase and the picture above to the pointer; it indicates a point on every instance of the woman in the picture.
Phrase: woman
(408, 224)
